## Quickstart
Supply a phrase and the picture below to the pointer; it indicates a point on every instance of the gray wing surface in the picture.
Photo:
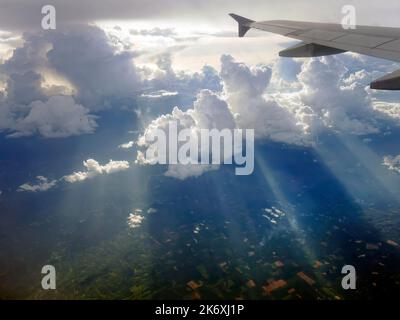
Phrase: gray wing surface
(320, 39)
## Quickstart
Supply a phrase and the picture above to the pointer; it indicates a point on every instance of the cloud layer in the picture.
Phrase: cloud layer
(310, 97)
(77, 71)
(56, 82)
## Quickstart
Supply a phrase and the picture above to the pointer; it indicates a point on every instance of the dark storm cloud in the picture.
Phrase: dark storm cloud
(85, 57)
(81, 54)
(23, 15)
(24, 88)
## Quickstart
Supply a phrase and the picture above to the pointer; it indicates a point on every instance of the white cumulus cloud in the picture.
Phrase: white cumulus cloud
(242, 105)
(93, 169)
(57, 117)
(245, 90)
(209, 112)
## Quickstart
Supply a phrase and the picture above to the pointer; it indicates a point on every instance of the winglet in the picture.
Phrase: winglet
(244, 24)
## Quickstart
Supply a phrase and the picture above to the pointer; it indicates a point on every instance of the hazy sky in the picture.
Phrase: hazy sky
(191, 18)
(23, 14)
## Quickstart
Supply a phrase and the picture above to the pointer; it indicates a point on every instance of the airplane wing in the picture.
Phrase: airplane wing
(321, 39)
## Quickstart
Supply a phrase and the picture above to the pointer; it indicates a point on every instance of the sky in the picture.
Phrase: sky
(193, 17)
(21, 15)
(181, 60)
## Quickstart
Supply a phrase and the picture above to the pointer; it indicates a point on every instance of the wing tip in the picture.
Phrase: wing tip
(240, 19)
(244, 24)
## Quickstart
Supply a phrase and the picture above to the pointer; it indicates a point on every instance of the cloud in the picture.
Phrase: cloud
(247, 103)
(315, 95)
(389, 109)
(151, 210)
(127, 145)
(57, 117)
(25, 88)
(336, 97)
(166, 80)
(208, 112)
(183, 172)
(93, 169)
(43, 184)
(84, 55)
(245, 91)
(86, 66)
(89, 68)
(242, 104)
(135, 219)
(154, 32)
(159, 94)
(332, 93)
(392, 162)
(211, 112)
